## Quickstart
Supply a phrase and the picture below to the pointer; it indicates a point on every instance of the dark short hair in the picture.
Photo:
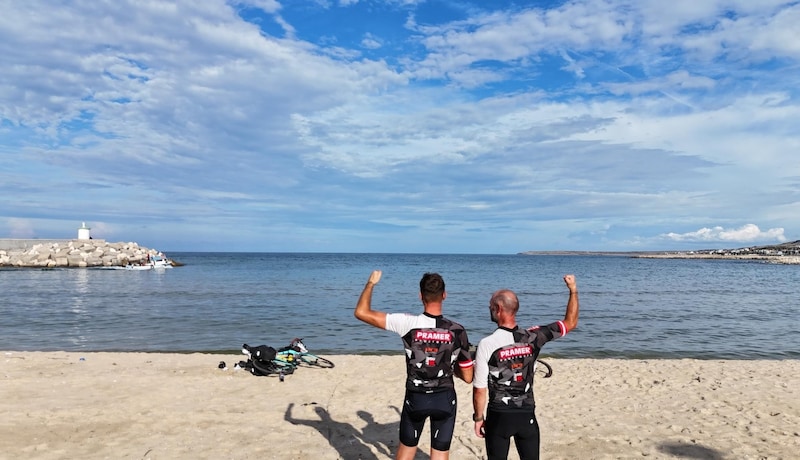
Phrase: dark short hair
(431, 286)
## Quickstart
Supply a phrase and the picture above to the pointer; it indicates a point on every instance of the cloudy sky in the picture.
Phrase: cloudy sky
(430, 126)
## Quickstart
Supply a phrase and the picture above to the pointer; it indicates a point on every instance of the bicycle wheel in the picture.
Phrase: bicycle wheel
(543, 369)
(315, 361)
(273, 367)
(281, 366)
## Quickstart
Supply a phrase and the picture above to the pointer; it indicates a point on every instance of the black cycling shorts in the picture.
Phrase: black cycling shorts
(440, 407)
(500, 427)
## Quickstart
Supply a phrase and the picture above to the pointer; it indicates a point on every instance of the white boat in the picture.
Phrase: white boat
(136, 267)
(160, 261)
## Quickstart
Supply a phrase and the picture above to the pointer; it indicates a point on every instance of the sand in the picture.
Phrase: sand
(181, 406)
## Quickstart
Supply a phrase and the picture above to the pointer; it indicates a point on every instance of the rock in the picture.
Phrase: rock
(75, 261)
(71, 253)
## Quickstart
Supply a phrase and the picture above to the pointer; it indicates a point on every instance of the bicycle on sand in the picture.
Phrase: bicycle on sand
(297, 354)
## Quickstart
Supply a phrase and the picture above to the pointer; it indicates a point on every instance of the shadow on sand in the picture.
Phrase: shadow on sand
(693, 451)
(352, 443)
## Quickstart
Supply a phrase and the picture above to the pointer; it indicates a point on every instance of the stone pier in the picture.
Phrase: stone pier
(70, 253)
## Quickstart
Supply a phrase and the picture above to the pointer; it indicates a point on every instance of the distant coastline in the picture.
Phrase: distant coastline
(784, 253)
(583, 253)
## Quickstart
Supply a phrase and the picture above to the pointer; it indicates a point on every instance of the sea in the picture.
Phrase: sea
(630, 308)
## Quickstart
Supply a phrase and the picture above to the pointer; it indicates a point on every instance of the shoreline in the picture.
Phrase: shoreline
(171, 405)
(774, 259)
(785, 260)
(639, 356)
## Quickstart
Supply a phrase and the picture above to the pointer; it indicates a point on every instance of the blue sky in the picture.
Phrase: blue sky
(402, 126)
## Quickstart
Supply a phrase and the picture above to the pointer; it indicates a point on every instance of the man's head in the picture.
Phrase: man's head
(506, 301)
(431, 288)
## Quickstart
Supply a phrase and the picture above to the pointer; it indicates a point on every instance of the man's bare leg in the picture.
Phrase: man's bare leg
(405, 452)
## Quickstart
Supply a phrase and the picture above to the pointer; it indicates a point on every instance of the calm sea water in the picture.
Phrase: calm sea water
(630, 308)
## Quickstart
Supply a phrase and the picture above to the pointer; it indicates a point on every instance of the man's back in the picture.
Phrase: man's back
(433, 345)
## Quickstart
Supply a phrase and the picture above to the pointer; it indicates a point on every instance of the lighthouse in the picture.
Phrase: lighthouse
(84, 232)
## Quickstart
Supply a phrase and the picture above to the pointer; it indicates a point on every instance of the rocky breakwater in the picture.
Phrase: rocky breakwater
(75, 253)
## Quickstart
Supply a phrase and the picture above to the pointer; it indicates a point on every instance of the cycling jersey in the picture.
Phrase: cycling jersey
(433, 345)
(505, 363)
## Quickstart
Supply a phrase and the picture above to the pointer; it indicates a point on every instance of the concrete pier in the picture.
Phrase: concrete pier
(70, 253)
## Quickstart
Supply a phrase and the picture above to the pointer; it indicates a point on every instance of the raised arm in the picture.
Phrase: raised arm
(364, 310)
(571, 316)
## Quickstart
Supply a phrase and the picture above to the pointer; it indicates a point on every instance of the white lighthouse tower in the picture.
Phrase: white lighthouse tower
(84, 232)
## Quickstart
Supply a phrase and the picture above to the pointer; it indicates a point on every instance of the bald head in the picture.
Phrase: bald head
(506, 300)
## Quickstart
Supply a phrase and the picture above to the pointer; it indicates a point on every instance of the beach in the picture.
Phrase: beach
(60, 405)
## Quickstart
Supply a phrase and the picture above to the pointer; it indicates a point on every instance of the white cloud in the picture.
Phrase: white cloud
(748, 233)
(268, 6)
(179, 118)
(370, 41)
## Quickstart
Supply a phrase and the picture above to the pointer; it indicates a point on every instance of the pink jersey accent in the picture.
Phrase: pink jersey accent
(562, 327)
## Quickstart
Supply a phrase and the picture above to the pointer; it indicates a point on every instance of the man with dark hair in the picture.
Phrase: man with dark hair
(436, 349)
(504, 363)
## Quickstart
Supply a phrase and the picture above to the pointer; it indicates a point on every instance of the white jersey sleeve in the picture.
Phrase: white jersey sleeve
(401, 323)
(486, 347)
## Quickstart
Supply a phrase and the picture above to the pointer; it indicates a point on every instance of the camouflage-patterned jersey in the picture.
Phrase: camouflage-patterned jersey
(433, 346)
(505, 363)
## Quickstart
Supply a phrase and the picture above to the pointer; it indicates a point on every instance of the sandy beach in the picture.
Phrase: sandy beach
(179, 406)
